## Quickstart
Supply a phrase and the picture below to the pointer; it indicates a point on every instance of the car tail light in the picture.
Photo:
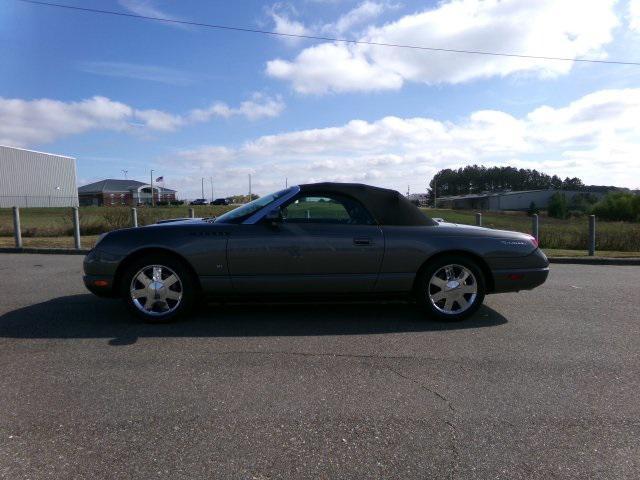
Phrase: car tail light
(533, 240)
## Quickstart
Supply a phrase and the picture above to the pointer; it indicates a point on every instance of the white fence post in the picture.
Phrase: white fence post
(17, 233)
(592, 235)
(134, 216)
(76, 228)
(535, 231)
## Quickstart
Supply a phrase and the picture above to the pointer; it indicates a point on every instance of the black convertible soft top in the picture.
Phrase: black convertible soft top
(388, 207)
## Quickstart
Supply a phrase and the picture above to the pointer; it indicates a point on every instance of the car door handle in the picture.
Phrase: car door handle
(362, 241)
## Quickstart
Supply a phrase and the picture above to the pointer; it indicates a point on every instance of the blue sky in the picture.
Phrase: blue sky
(189, 102)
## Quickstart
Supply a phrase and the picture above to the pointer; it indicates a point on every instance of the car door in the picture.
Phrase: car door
(324, 243)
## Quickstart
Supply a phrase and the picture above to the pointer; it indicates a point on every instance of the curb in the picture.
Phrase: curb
(595, 260)
(46, 251)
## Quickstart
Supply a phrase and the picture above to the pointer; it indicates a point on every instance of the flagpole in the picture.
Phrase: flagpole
(153, 200)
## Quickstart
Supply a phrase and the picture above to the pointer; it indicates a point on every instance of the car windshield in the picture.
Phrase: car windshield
(239, 214)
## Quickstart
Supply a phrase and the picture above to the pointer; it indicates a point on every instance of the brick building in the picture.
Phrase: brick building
(123, 192)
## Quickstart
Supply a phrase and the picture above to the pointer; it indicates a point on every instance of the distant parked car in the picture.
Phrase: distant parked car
(198, 201)
(220, 201)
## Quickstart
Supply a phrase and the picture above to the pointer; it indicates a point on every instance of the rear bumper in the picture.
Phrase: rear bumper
(514, 280)
(100, 285)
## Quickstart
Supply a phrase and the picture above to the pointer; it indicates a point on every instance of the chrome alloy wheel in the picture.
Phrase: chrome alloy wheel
(452, 289)
(156, 290)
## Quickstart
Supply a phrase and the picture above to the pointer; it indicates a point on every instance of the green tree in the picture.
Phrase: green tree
(620, 206)
(558, 206)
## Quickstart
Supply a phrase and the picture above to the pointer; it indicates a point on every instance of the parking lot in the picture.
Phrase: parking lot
(541, 384)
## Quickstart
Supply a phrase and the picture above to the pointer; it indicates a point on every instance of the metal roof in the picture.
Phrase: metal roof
(36, 151)
(490, 194)
(116, 185)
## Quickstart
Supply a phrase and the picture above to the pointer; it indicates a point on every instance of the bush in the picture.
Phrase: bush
(558, 207)
(117, 217)
(582, 202)
(618, 206)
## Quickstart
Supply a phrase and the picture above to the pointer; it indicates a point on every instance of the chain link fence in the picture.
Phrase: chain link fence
(30, 201)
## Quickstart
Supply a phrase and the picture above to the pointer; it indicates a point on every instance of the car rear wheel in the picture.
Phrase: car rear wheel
(158, 288)
(451, 288)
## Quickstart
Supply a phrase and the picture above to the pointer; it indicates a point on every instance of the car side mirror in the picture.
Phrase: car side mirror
(273, 217)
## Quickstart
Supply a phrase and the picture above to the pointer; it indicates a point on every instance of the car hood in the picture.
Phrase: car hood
(457, 229)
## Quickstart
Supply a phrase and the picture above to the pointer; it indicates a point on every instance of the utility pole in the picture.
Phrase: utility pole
(286, 182)
(408, 190)
(125, 173)
(153, 200)
(249, 187)
(211, 179)
(202, 187)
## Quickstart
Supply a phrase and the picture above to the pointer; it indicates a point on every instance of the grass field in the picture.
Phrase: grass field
(54, 222)
(53, 226)
(572, 234)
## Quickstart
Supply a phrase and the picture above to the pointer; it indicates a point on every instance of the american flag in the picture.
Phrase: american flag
(160, 179)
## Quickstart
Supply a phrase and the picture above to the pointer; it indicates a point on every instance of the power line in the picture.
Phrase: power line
(327, 39)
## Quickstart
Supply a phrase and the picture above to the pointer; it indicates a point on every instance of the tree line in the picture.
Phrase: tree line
(481, 179)
(618, 203)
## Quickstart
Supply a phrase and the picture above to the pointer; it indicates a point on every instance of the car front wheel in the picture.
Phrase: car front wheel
(451, 288)
(158, 288)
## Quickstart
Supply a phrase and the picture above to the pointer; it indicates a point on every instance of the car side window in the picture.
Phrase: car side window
(328, 209)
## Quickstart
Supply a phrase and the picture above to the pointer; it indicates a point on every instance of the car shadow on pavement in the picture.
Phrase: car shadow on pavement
(87, 316)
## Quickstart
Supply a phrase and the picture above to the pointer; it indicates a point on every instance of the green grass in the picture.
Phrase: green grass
(51, 223)
(572, 234)
(54, 222)
(550, 252)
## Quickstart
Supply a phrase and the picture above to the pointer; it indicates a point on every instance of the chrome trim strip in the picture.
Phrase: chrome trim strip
(259, 215)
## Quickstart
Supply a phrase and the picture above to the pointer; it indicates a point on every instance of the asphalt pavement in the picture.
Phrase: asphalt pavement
(540, 384)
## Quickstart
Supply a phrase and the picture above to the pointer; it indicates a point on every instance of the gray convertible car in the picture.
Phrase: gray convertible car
(317, 240)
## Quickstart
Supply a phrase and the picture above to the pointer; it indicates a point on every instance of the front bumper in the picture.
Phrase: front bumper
(100, 285)
(99, 274)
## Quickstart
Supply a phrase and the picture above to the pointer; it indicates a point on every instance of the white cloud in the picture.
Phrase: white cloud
(159, 120)
(135, 71)
(147, 8)
(634, 15)
(543, 27)
(29, 122)
(259, 106)
(364, 12)
(281, 15)
(332, 67)
(33, 122)
(594, 137)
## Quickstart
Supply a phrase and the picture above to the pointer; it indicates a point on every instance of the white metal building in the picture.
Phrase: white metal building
(36, 179)
(520, 200)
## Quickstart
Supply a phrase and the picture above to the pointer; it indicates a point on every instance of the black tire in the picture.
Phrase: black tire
(425, 291)
(187, 288)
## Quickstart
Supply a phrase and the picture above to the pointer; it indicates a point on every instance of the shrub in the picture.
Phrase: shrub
(117, 217)
(618, 206)
(558, 207)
